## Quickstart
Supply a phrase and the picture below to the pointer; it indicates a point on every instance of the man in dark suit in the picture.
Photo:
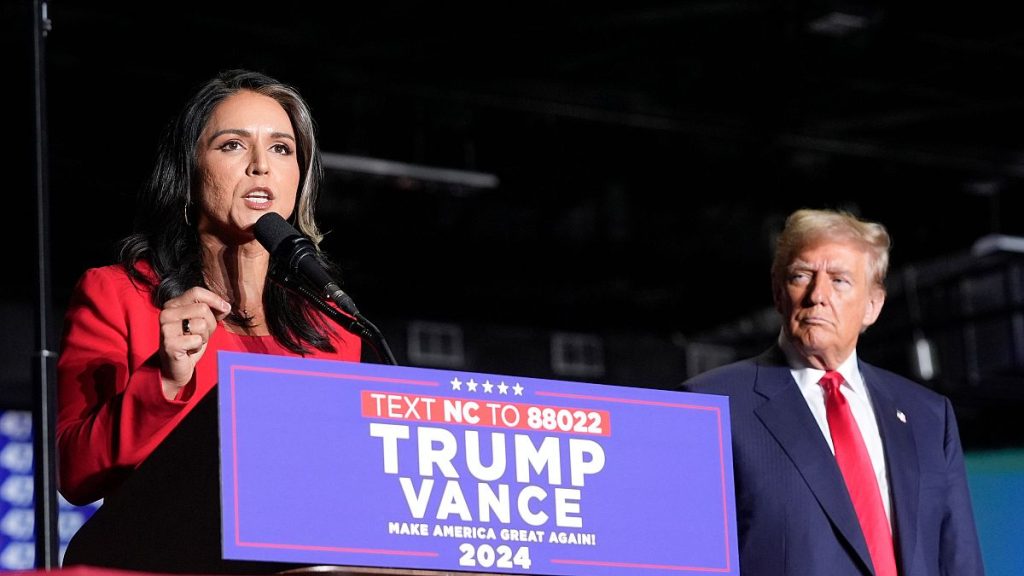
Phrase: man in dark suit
(841, 468)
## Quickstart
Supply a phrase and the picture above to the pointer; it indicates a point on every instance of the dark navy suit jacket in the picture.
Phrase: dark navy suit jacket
(794, 515)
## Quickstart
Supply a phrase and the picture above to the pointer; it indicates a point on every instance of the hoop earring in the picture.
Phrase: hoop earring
(187, 223)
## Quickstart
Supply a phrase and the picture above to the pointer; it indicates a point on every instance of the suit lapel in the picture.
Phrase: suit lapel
(901, 461)
(786, 416)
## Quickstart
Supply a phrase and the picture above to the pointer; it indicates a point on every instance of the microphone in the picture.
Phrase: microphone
(298, 254)
(295, 254)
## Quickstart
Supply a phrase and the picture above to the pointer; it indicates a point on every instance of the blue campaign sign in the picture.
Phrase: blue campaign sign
(340, 463)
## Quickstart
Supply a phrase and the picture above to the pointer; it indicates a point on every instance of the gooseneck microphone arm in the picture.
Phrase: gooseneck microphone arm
(356, 323)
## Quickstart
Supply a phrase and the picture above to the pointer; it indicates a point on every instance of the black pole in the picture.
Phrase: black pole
(45, 359)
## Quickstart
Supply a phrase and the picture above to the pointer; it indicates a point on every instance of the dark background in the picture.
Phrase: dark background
(646, 154)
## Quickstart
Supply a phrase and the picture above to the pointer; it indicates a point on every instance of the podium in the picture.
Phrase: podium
(322, 468)
(165, 517)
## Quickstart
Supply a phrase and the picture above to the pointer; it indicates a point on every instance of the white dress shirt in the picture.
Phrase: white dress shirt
(857, 396)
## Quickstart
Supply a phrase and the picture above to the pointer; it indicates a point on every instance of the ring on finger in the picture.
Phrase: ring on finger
(185, 329)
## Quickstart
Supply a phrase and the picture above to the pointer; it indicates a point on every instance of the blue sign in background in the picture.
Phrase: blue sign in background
(304, 476)
(17, 498)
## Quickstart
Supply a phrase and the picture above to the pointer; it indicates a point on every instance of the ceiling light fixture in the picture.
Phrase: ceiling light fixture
(393, 169)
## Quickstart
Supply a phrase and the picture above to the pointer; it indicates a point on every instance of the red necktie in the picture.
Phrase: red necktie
(855, 464)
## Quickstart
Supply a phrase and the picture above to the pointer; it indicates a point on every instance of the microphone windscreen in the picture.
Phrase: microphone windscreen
(271, 229)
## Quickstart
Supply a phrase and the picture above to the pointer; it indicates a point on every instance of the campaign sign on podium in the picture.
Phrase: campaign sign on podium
(339, 463)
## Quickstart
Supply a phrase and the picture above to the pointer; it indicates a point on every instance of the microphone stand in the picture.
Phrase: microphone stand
(356, 324)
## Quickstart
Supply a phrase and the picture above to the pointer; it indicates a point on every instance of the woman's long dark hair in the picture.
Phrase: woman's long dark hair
(165, 232)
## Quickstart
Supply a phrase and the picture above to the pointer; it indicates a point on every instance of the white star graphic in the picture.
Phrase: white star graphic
(487, 386)
(518, 389)
(502, 388)
(456, 383)
(471, 385)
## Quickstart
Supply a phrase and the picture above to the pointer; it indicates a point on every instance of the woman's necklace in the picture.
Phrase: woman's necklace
(244, 317)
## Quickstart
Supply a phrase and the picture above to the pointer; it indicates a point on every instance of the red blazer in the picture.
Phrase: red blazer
(111, 410)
